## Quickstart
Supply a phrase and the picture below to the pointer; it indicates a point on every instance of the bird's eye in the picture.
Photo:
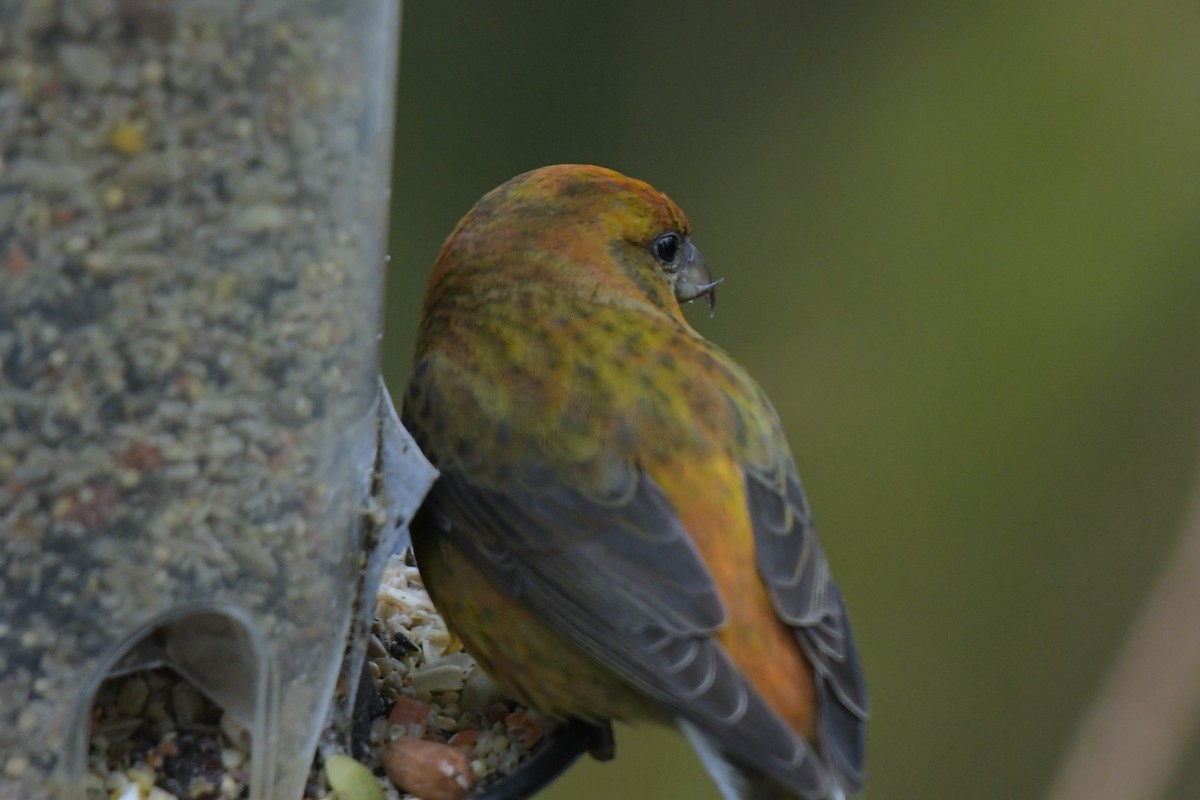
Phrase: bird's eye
(666, 248)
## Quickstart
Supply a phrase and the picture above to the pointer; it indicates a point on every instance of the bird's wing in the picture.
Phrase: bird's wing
(620, 577)
(792, 563)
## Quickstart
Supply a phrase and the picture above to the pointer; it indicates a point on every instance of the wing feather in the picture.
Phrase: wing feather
(793, 564)
(625, 583)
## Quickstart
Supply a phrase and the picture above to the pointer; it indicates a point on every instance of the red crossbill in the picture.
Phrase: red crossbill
(619, 531)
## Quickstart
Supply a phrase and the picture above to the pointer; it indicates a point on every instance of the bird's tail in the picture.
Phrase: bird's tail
(734, 782)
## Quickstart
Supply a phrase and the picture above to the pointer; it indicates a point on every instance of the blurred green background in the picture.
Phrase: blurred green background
(962, 252)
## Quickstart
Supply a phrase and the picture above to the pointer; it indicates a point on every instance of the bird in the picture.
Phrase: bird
(619, 531)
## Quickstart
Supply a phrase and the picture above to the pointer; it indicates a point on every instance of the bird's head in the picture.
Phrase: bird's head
(579, 229)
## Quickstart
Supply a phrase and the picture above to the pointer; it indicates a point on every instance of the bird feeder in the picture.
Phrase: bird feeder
(193, 207)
